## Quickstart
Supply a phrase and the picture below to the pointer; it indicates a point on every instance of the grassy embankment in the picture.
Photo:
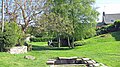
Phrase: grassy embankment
(104, 49)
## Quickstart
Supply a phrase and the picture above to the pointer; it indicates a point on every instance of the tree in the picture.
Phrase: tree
(72, 13)
(24, 11)
(2, 15)
(11, 36)
(53, 23)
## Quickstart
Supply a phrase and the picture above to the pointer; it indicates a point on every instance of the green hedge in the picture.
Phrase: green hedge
(42, 39)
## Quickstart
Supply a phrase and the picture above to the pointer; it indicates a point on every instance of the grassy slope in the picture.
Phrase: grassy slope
(102, 49)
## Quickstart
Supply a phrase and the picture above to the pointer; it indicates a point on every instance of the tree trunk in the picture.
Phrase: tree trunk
(2, 15)
(1, 49)
(25, 28)
(72, 43)
(59, 42)
(69, 42)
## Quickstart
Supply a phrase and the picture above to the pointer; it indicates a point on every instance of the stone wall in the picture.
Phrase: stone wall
(74, 62)
(18, 50)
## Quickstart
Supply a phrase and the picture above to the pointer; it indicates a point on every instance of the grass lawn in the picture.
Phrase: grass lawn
(104, 49)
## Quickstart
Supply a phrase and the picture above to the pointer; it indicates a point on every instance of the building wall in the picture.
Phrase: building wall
(111, 18)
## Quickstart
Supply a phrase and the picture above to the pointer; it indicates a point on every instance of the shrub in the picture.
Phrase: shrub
(84, 31)
(109, 28)
(11, 35)
(80, 43)
(42, 39)
(117, 24)
(102, 30)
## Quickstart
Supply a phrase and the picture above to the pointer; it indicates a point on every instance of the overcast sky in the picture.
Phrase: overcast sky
(108, 6)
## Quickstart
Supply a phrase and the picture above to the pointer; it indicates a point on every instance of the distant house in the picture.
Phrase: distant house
(111, 18)
(108, 19)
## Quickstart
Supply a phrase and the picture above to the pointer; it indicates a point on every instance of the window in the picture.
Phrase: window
(112, 20)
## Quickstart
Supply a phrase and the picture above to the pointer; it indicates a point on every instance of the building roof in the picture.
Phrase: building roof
(110, 18)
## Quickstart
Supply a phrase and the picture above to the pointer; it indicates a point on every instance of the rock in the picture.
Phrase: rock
(18, 50)
(67, 58)
(51, 61)
(29, 57)
(96, 65)
(99, 65)
(78, 61)
(89, 62)
(93, 61)
(102, 65)
(85, 59)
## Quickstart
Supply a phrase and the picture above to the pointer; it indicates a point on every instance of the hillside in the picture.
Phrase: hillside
(104, 49)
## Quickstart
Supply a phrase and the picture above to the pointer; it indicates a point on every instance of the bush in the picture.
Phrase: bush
(11, 35)
(109, 28)
(102, 30)
(42, 39)
(80, 43)
(117, 24)
(84, 31)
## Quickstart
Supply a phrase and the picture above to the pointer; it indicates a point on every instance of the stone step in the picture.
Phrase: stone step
(51, 62)
(67, 58)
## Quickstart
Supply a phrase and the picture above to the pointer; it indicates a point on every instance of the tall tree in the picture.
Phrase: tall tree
(74, 12)
(23, 11)
(56, 19)
(2, 15)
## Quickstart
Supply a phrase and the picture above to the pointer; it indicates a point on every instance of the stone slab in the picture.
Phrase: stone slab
(67, 58)
(18, 50)
(85, 59)
(69, 65)
(50, 62)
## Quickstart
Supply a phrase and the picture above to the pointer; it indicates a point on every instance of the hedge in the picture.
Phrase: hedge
(42, 39)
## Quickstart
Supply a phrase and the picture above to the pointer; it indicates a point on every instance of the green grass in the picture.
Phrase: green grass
(104, 49)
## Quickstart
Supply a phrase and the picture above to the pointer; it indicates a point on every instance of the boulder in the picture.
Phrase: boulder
(29, 57)
(18, 50)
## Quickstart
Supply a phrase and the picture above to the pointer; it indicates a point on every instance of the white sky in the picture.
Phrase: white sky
(108, 6)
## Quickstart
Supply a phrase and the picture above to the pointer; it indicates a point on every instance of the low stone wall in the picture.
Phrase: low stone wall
(74, 62)
(18, 50)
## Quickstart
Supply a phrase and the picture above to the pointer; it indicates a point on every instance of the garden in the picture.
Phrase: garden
(35, 31)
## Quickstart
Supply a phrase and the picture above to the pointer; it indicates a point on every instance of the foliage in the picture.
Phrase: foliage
(117, 24)
(109, 28)
(42, 39)
(11, 36)
(102, 30)
(64, 16)
(79, 14)
(30, 30)
(80, 43)
(84, 30)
